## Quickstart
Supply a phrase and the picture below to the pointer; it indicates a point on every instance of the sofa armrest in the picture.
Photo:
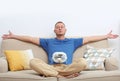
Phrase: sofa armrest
(3, 65)
(111, 63)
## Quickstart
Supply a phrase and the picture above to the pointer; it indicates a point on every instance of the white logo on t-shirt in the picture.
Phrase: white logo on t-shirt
(59, 57)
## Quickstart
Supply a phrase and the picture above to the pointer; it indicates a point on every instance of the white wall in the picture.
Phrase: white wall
(82, 17)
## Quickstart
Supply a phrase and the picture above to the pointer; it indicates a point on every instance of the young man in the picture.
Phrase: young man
(60, 44)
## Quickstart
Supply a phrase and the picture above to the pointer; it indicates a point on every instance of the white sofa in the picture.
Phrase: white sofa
(111, 72)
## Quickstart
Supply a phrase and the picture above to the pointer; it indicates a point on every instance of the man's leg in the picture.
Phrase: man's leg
(77, 66)
(43, 68)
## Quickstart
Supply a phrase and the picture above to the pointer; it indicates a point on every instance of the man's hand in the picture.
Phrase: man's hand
(112, 36)
(10, 35)
(100, 37)
(7, 36)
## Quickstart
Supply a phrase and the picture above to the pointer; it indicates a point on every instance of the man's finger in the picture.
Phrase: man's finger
(110, 32)
(10, 32)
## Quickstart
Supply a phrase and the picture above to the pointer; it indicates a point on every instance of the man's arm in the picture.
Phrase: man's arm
(33, 40)
(101, 37)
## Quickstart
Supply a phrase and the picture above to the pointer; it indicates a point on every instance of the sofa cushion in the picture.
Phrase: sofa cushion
(98, 52)
(95, 57)
(24, 75)
(98, 75)
(111, 63)
(95, 63)
(18, 59)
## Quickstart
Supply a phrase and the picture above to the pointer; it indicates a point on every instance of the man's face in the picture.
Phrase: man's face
(60, 29)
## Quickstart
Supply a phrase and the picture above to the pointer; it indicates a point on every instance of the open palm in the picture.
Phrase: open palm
(112, 36)
(7, 36)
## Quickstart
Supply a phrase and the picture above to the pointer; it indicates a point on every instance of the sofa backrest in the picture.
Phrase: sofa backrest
(99, 44)
(13, 44)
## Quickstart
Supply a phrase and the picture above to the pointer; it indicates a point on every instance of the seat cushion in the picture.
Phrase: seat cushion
(24, 75)
(96, 76)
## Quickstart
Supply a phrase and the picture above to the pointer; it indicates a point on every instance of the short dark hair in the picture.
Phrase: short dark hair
(59, 22)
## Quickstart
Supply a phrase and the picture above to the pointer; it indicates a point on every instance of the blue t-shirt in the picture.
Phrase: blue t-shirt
(68, 46)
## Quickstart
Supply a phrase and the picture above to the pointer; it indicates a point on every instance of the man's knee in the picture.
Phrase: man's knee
(82, 62)
(32, 62)
(35, 61)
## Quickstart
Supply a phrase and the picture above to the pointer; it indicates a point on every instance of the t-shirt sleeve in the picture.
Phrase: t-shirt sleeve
(43, 43)
(78, 42)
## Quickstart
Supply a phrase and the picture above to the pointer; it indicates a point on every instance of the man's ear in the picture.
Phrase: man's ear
(65, 29)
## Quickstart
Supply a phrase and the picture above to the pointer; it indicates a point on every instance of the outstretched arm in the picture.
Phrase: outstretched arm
(101, 37)
(33, 40)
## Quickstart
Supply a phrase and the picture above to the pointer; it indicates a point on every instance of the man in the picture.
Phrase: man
(60, 44)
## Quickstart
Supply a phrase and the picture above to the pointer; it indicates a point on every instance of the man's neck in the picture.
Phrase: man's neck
(60, 37)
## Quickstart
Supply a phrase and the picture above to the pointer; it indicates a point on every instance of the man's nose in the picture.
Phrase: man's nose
(60, 28)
